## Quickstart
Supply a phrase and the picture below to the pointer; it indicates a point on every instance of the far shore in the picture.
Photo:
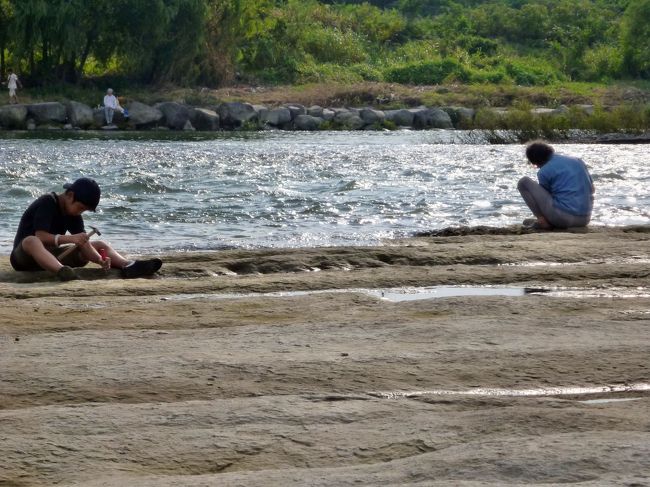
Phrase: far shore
(609, 115)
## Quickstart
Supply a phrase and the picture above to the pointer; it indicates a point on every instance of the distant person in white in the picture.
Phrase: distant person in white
(110, 105)
(13, 83)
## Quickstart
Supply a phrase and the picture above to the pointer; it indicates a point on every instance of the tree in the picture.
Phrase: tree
(6, 17)
(636, 38)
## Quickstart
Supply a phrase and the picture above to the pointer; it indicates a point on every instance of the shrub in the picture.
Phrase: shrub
(602, 62)
(333, 45)
(427, 73)
(529, 74)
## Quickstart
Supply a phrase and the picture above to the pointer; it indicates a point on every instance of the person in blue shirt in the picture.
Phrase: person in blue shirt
(564, 196)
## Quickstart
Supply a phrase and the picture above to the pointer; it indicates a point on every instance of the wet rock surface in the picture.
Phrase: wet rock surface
(155, 382)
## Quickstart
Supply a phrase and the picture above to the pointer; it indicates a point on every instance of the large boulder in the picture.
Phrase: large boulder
(276, 116)
(235, 114)
(99, 118)
(327, 114)
(79, 114)
(431, 118)
(204, 119)
(175, 115)
(371, 116)
(143, 116)
(296, 110)
(349, 119)
(315, 111)
(13, 116)
(47, 113)
(307, 122)
(401, 118)
(461, 117)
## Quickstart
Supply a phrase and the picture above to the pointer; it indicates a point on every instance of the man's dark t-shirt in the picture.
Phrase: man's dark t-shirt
(45, 214)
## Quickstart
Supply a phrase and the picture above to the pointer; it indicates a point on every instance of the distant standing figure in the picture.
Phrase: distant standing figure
(13, 83)
(564, 196)
(110, 105)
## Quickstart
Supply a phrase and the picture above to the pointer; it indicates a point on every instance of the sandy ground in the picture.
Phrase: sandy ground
(164, 381)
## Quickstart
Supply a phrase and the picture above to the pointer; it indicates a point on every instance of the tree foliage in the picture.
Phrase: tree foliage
(217, 42)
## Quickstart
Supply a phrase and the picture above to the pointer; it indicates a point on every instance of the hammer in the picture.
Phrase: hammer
(69, 250)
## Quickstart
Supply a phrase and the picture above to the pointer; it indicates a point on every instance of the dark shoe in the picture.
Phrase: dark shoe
(66, 273)
(141, 268)
(529, 222)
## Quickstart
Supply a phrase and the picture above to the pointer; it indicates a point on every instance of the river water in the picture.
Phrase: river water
(174, 191)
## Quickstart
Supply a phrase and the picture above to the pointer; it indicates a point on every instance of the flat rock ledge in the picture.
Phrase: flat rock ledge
(71, 115)
(213, 373)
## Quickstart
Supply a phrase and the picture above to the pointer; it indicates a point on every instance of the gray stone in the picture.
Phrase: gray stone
(68, 126)
(431, 118)
(296, 110)
(315, 111)
(349, 120)
(460, 116)
(235, 114)
(188, 127)
(143, 116)
(277, 116)
(99, 118)
(261, 111)
(307, 122)
(328, 114)
(175, 115)
(31, 124)
(13, 116)
(340, 112)
(371, 116)
(401, 118)
(45, 113)
(204, 119)
(79, 114)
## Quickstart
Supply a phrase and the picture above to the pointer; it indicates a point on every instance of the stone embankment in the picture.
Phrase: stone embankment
(239, 115)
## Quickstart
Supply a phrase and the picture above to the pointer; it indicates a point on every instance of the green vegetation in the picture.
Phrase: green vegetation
(65, 47)
(389, 54)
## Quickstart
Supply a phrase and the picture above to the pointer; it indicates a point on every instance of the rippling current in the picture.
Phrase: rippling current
(285, 189)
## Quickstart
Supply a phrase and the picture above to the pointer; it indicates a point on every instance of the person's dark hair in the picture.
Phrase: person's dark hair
(85, 191)
(539, 152)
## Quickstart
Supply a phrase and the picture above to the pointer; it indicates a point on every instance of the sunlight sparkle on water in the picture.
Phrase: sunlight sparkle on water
(295, 189)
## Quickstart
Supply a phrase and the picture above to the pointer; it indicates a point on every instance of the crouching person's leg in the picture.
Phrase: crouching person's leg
(537, 199)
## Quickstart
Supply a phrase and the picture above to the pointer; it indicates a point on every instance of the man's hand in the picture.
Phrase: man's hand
(79, 239)
(106, 264)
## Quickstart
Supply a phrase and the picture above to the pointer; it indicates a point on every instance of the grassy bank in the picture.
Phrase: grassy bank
(378, 95)
(615, 107)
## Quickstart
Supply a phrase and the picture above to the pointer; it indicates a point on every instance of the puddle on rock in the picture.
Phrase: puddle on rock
(417, 293)
(433, 292)
(614, 399)
(389, 294)
(502, 392)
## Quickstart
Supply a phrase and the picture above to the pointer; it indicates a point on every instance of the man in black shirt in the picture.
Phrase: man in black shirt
(44, 228)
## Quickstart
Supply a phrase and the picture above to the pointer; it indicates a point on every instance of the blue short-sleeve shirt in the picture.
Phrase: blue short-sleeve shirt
(569, 182)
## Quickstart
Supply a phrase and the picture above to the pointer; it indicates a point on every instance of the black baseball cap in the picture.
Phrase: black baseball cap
(85, 191)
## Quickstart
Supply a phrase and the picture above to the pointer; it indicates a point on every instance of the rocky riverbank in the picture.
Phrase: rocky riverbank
(214, 374)
(240, 115)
